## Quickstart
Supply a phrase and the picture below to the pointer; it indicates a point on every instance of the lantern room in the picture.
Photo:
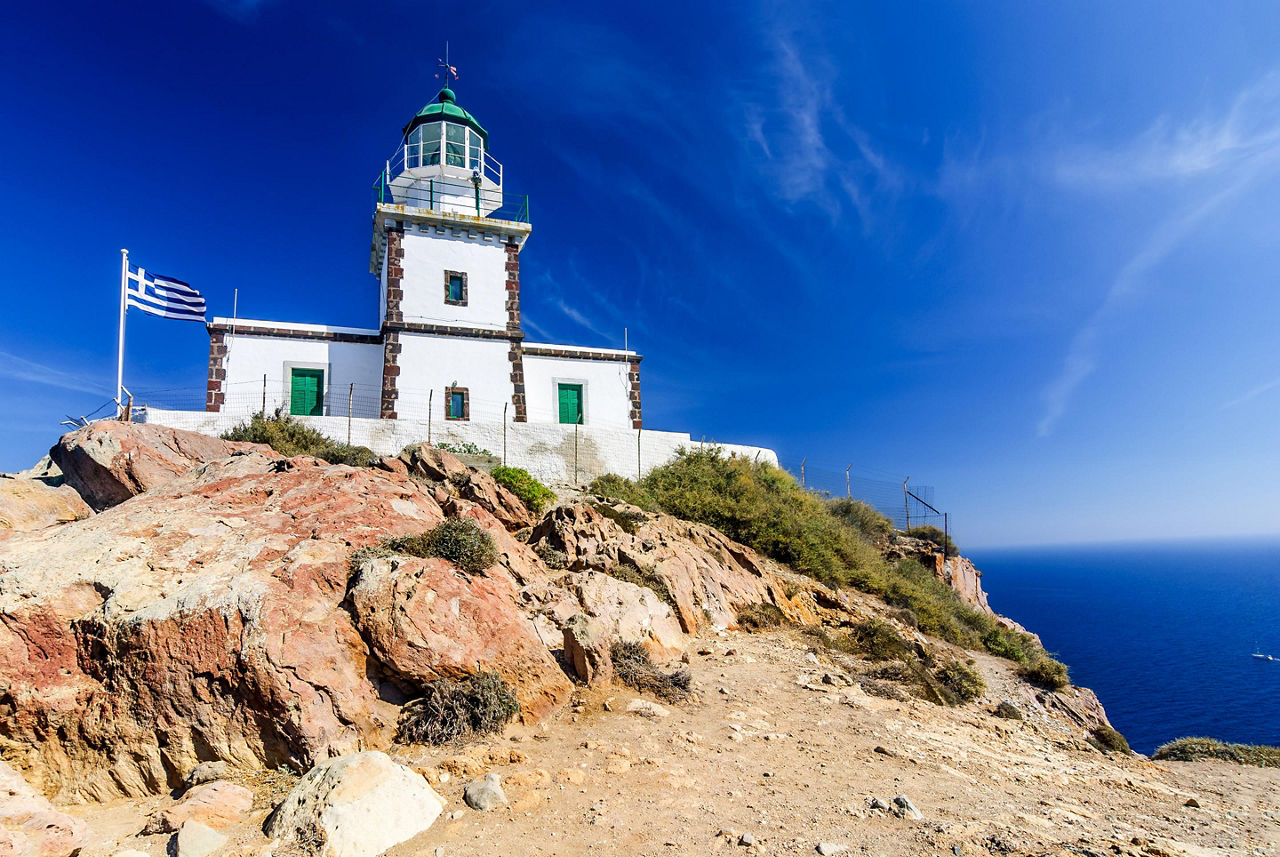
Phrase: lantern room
(443, 163)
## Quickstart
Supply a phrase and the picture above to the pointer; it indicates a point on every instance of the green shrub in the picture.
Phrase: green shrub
(634, 668)
(878, 641)
(480, 704)
(1108, 740)
(290, 437)
(614, 487)
(763, 507)
(459, 540)
(1006, 710)
(1044, 671)
(1191, 749)
(759, 617)
(863, 518)
(552, 558)
(964, 681)
(930, 533)
(464, 448)
(531, 492)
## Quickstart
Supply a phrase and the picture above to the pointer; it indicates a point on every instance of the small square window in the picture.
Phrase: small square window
(457, 404)
(455, 288)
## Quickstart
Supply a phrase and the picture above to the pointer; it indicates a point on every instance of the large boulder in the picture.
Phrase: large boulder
(426, 620)
(355, 806)
(33, 504)
(30, 826)
(108, 462)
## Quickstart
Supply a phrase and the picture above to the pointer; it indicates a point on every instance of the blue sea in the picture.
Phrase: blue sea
(1163, 632)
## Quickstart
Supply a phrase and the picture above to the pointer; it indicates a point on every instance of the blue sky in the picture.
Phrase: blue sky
(1025, 253)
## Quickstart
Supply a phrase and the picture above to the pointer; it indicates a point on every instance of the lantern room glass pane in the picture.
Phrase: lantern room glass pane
(473, 150)
(413, 149)
(455, 141)
(430, 144)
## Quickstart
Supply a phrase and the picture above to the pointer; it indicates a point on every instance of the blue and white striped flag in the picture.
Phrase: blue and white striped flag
(164, 296)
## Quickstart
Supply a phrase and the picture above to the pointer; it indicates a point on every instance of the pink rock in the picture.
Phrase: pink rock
(217, 804)
(108, 462)
(30, 504)
(30, 826)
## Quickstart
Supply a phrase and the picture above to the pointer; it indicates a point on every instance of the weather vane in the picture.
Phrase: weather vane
(446, 70)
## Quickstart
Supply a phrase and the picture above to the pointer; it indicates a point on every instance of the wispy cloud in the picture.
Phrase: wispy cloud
(19, 369)
(1234, 151)
(1248, 132)
(802, 142)
(1252, 394)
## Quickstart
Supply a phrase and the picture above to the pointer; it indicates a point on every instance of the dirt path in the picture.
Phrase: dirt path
(767, 749)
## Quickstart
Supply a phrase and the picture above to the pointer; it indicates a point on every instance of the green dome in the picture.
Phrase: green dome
(444, 108)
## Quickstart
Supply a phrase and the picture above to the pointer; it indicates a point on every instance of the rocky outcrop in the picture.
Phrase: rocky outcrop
(32, 504)
(356, 806)
(30, 826)
(706, 575)
(423, 461)
(108, 462)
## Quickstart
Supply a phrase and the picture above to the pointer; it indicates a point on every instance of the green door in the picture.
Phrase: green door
(571, 404)
(306, 392)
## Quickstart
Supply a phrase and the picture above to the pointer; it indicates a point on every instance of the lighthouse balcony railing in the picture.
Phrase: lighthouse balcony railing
(457, 196)
(469, 185)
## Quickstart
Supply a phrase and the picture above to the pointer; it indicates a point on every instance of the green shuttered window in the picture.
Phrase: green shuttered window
(570, 396)
(306, 392)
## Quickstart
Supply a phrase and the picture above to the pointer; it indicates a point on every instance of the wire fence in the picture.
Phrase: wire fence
(906, 504)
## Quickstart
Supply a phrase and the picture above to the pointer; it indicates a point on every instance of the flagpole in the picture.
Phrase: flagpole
(124, 285)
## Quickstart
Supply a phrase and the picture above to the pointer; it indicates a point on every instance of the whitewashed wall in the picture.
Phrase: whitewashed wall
(551, 452)
(606, 389)
(249, 358)
(432, 363)
(426, 258)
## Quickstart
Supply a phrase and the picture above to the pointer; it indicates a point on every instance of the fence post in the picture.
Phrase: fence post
(264, 396)
(575, 453)
(504, 428)
(638, 454)
(946, 533)
(351, 394)
(802, 461)
(906, 501)
(848, 488)
(430, 394)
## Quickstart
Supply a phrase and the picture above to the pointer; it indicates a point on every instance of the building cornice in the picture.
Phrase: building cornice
(574, 353)
(454, 330)
(285, 330)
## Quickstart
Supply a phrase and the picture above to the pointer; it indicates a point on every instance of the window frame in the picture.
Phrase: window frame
(448, 276)
(449, 393)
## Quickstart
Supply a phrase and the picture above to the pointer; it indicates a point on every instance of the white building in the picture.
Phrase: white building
(449, 359)
(446, 248)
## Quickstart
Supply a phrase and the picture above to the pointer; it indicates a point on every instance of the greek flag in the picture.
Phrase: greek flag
(163, 296)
